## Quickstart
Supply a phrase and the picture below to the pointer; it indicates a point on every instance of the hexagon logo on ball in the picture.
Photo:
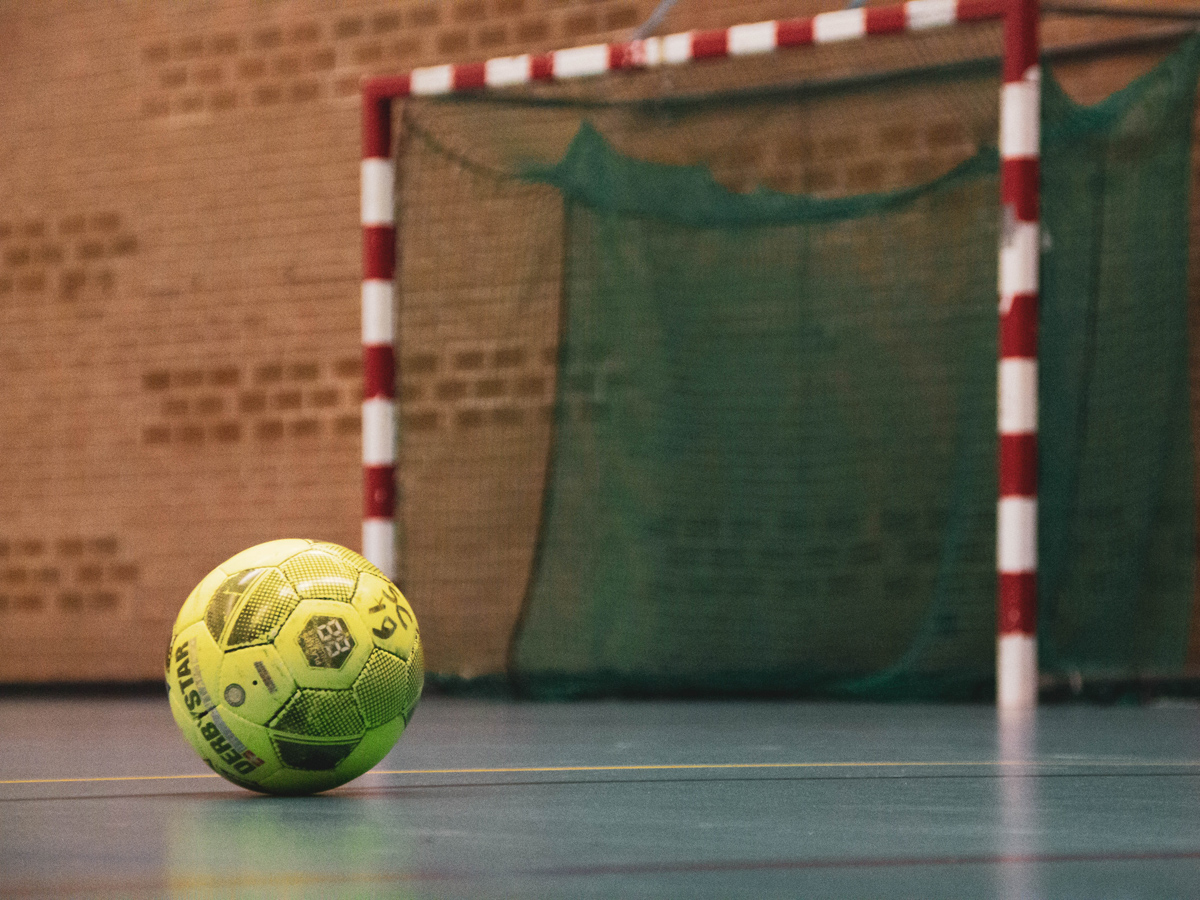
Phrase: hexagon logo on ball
(325, 642)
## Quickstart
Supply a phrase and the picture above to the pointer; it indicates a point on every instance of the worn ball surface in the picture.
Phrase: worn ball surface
(294, 667)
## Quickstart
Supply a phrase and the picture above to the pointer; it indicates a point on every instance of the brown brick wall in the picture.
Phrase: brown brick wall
(179, 267)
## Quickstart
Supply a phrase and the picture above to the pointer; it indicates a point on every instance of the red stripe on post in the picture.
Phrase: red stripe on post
(541, 68)
(1019, 187)
(379, 492)
(793, 32)
(470, 77)
(387, 87)
(1018, 465)
(707, 44)
(379, 371)
(978, 10)
(1020, 39)
(376, 127)
(886, 20)
(1019, 328)
(620, 56)
(379, 252)
(1017, 603)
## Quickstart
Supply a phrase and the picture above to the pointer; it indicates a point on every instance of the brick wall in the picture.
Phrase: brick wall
(179, 266)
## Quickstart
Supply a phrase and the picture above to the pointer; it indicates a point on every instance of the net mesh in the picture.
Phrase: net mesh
(1117, 541)
(698, 385)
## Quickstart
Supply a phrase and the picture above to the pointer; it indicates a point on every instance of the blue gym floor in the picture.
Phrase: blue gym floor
(102, 798)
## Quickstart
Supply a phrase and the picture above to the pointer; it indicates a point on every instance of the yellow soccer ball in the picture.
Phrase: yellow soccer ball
(294, 667)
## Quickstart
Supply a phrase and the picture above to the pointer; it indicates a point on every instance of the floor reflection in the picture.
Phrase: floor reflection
(1019, 837)
(324, 846)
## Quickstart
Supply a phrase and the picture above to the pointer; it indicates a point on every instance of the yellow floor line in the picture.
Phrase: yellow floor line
(108, 778)
(789, 765)
(513, 770)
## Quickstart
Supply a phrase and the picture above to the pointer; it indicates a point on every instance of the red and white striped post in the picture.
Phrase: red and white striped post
(378, 334)
(1017, 394)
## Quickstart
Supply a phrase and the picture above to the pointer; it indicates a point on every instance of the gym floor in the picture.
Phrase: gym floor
(101, 797)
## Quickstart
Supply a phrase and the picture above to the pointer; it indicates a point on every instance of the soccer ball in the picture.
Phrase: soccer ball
(294, 667)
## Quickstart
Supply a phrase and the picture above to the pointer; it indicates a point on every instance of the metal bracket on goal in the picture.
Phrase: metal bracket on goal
(1016, 520)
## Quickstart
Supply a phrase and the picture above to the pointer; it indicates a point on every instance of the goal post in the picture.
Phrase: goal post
(1016, 517)
(1017, 379)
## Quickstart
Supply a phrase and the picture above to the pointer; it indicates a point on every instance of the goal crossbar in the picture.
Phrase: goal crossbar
(1017, 377)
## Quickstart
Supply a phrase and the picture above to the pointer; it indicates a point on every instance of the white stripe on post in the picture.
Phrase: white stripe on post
(507, 70)
(843, 25)
(1016, 535)
(1020, 116)
(677, 48)
(745, 40)
(378, 316)
(1019, 257)
(920, 14)
(379, 432)
(379, 544)
(1016, 672)
(1017, 396)
(378, 184)
(432, 80)
(579, 62)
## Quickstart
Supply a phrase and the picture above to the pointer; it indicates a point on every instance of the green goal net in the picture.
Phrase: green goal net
(698, 383)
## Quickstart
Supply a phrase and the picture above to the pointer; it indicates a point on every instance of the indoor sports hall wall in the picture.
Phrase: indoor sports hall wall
(179, 280)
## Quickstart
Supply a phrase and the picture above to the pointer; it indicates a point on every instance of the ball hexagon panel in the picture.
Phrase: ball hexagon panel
(380, 687)
(261, 677)
(320, 714)
(389, 686)
(226, 598)
(356, 560)
(317, 729)
(312, 757)
(387, 613)
(197, 602)
(272, 553)
(319, 575)
(324, 643)
(265, 606)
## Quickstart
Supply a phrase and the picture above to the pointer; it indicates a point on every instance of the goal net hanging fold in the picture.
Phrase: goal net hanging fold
(698, 388)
